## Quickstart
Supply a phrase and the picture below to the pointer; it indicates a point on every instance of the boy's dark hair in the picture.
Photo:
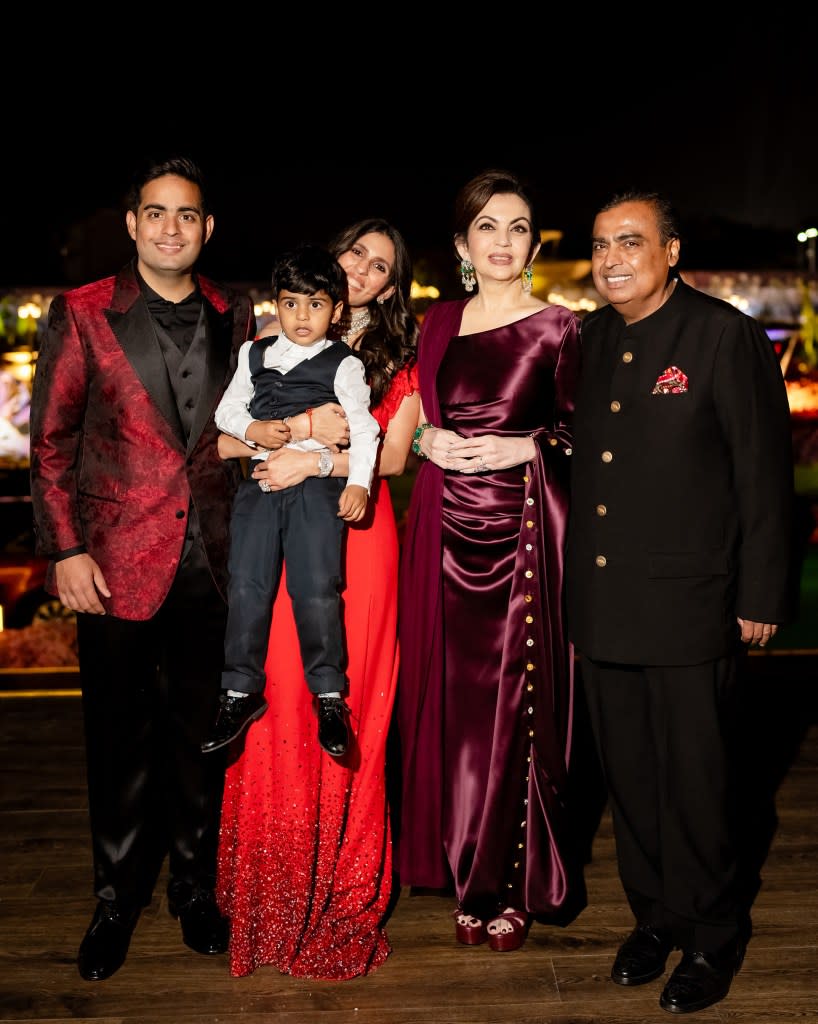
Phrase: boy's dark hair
(309, 269)
(181, 166)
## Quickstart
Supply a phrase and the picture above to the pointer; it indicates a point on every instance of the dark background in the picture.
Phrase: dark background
(724, 119)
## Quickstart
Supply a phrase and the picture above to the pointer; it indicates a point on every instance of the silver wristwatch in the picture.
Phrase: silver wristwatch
(325, 464)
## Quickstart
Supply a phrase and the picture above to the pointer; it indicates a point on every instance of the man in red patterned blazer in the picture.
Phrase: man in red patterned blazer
(132, 507)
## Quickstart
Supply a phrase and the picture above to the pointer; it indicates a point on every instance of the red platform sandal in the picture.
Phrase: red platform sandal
(515, 925)
(468, 929)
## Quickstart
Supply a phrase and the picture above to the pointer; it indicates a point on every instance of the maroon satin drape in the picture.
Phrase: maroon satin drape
(485, 698)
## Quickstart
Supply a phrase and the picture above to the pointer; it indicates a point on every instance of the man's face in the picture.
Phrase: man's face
(169, 227)
(629, 263)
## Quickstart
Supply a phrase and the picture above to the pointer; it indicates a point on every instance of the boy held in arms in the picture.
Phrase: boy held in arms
(278, 377)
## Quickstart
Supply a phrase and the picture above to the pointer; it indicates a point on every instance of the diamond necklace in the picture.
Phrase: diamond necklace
(357, 323)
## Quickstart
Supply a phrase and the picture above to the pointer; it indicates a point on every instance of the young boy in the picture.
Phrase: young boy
(278, 377)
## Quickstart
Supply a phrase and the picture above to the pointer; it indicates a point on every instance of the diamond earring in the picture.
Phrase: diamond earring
(467, 275)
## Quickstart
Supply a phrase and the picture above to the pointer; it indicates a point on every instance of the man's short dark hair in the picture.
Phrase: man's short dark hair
(181, 166)
(667, 220)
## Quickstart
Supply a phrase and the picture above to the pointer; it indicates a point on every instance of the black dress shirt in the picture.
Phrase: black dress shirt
(179, 319)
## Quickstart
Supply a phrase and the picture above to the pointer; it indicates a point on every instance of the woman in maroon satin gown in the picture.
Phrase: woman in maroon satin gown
(305, 853)
(485, 699)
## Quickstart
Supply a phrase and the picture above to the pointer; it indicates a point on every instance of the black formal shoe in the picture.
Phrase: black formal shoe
(333, 731)
(642, 956)
(233, 717)
(203, 927)
(701, 979)
(105, 946)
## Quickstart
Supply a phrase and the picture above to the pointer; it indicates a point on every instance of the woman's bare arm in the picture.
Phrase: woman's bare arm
(231, 448)
(395, 448)
(287, 467)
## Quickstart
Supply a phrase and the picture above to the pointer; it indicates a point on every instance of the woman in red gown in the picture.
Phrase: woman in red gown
(305, 853)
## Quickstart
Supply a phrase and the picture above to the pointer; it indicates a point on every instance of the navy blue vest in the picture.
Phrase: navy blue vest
(307, 385)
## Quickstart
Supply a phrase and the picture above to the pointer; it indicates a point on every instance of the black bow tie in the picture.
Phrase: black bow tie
(176, 314)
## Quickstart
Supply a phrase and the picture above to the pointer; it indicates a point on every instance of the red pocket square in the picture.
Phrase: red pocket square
(671, 381)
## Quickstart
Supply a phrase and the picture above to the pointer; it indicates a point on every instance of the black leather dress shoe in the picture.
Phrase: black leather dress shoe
(233, 717)
(105, 946)
(333, 731)
(204, 929)
(701, 979)
(642, 956)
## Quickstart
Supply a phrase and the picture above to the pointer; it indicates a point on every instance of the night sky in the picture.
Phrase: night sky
(727, 126)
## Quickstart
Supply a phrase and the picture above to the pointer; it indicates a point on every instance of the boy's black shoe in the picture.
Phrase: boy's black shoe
(234, 715)
(333, 731)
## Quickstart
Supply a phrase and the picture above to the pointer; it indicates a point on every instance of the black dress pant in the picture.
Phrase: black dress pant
(664, 742)
(150, 694)
(299, 525)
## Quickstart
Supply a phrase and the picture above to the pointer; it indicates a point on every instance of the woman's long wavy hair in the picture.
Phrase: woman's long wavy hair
(390, 341)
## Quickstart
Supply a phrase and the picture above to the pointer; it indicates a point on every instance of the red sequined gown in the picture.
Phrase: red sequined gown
(305, 854)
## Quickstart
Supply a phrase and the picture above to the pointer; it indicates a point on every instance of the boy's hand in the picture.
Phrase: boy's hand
(352, 503)
(272, 434)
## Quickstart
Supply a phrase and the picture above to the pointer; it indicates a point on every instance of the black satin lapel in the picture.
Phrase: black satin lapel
(134, 332)
(219, 328)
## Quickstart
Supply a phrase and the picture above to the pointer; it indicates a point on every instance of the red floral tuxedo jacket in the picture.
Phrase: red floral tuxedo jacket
(111, 471)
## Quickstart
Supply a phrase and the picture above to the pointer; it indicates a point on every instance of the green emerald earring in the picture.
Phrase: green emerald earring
(467, 275)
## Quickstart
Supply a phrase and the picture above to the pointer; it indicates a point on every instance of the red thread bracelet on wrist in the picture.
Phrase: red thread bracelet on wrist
(309, 417)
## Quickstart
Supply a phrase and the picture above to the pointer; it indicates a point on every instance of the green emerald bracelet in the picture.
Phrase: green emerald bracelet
(418, 434)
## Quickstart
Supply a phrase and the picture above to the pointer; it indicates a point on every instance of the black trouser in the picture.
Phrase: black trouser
(150, 692)
(300, 525)
(663, 736)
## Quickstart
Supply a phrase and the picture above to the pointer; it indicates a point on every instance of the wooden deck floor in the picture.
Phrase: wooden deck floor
(561, 975)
